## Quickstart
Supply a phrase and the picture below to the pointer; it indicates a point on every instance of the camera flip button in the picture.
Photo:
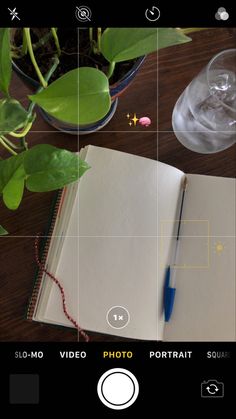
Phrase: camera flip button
(212, 389)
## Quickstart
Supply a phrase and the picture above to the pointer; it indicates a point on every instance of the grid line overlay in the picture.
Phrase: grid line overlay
(158, 234)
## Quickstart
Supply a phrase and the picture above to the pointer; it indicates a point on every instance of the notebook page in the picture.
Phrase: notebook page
(114, 262)
(204, 307)
(118, 245)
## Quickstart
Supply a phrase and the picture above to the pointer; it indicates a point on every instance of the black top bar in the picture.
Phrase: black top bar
(114, 14)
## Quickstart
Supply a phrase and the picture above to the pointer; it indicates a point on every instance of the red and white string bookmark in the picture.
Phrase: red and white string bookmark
(61, 289)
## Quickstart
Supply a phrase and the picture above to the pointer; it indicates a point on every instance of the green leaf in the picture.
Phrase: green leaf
(171, 36)
(8, 168)
(12, 115)
(42, 168)
(13, 191)
(5, 60)
(94, 96)
(3, 232)
(48, 168)
(79, 97)
(121, 44)
(12, 180)
(60, 98)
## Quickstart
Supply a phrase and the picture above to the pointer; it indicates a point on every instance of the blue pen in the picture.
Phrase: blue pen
(170, 278)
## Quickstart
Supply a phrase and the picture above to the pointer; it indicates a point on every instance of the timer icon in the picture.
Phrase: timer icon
(152, 14)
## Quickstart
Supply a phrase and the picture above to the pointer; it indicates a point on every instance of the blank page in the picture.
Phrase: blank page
(118, 244)
(204, 307)
(110, 255)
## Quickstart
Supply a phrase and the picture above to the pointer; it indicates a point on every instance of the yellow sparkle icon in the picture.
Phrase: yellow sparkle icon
(135, 119)
(219, 247)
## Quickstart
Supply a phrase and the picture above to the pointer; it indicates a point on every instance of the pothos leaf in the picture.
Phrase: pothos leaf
(3, 232)
(12, 115)
(42, 168)
(5, 60)
(48, 168)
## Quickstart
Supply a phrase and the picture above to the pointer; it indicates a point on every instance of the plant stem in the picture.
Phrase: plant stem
(99, 34)
(24, 45)
(24, 144)
(54, 34)
(91, 35)
(111, 69)
(32, 57)
(7, 147)
(55, 62)
(16, 52)
(42, 41)
(11, 144)
(23, 132)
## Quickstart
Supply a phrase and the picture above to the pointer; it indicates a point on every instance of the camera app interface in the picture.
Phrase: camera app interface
(118, 203)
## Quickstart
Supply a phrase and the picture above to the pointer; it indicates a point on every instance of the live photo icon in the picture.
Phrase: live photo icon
(212, 388)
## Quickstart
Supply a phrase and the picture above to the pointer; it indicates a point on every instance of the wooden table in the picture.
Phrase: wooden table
(153, 93)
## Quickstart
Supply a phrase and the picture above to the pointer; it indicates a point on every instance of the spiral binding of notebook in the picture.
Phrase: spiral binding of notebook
(45, 247)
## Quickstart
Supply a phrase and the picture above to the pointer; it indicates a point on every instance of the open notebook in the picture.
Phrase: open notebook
(112, 241)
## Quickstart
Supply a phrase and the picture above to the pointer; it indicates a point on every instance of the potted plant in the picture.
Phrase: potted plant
(40, 168)
(118, 54)
(79, 96)
(108, 61)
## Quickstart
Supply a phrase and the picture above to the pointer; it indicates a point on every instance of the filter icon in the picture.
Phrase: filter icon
(222, 14)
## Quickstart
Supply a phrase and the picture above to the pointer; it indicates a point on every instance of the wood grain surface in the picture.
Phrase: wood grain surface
(153, 93)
